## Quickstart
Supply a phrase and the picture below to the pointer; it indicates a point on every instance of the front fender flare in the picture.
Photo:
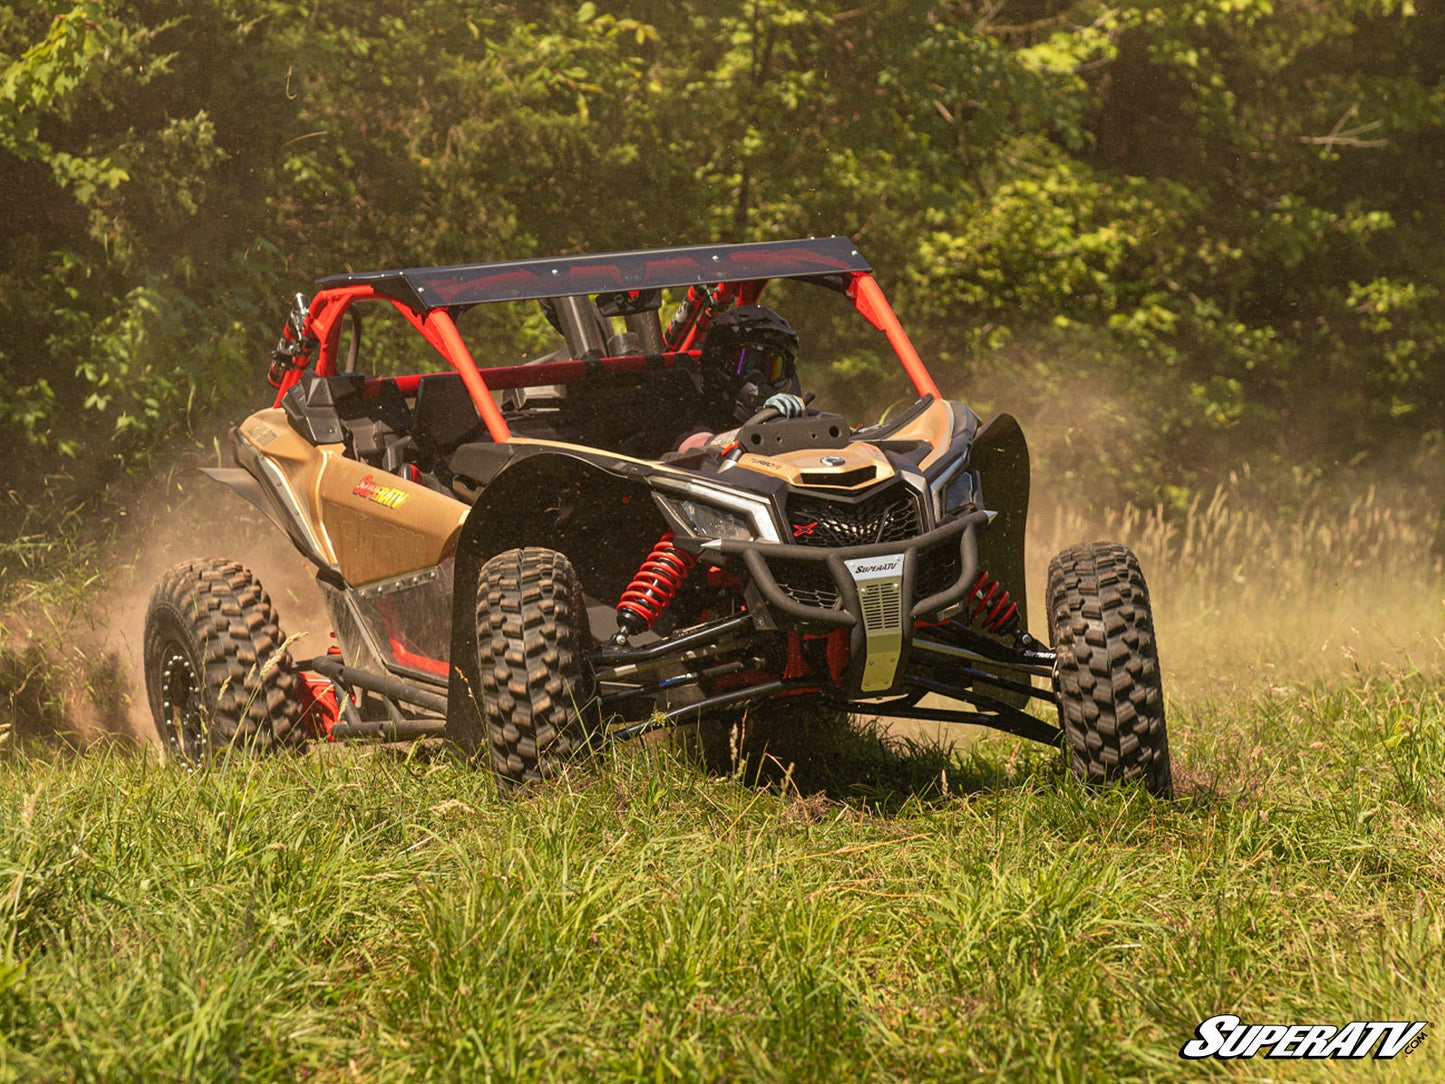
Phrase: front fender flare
(510, 512)
(1000, 454)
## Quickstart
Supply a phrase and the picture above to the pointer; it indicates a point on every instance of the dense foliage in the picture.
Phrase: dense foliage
(1219, 208)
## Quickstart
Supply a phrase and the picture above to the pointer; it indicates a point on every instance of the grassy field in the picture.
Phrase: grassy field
(881, 911)
(354, 915)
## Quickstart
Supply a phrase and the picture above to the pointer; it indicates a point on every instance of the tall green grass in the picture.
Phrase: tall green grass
(1250, 590)
(357, 915)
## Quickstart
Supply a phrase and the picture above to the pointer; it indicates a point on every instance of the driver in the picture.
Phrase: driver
(748, 363)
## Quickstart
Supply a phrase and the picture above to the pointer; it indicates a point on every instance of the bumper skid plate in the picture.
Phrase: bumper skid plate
(880, 594)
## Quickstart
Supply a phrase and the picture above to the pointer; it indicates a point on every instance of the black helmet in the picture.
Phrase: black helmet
(752, 343)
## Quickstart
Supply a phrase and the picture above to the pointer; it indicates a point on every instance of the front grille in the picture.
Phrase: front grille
(807, 582)
(891, 516)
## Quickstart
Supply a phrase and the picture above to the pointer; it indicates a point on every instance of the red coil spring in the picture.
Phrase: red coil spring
(993, 609)
(654, 584)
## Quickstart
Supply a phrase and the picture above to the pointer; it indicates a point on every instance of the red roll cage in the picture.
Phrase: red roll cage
(714, 275)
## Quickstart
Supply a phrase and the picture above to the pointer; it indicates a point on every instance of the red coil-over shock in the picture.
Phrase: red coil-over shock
(654, 585)
(992, 607)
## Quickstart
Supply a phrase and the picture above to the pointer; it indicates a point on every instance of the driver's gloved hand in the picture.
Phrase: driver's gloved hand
(786, 404)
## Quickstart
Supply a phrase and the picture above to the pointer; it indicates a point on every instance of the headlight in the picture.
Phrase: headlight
(714, 512)
(706, 521)
(955, 493)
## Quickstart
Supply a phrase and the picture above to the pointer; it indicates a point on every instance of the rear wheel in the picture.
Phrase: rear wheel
(538, 699)
(1111, 702)
(216, 669)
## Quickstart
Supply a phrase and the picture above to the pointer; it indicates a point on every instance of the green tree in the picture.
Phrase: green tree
(1220, 206)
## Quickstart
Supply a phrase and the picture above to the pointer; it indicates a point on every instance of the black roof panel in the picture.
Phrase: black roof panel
(425, 288)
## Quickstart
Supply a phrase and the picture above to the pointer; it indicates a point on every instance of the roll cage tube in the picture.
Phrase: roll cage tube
(867, 297)
(323, 323)
(441, 331)
(538, 374)
(329, 307)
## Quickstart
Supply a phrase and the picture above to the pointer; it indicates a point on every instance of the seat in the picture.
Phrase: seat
(314, 404)
(444, 418)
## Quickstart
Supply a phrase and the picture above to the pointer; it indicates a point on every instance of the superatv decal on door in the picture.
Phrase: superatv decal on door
(388, 496)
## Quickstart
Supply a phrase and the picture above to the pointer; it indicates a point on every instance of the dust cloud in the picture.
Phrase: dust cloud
(202, 518)
(1258, 583)
(72, 665)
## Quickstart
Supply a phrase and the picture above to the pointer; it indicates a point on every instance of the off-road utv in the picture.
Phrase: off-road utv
(529, 560)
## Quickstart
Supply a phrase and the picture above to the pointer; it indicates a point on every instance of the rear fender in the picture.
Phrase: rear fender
(604, 521)
(244, 485)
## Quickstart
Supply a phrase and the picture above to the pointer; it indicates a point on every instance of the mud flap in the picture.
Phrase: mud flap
(243, 485)
(464, 726)
(1000, 455)
(536, 497)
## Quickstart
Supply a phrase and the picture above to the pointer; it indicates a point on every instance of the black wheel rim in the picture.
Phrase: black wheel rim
(182, 707)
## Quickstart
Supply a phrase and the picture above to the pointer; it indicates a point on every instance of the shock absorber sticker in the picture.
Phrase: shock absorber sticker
(880, 590)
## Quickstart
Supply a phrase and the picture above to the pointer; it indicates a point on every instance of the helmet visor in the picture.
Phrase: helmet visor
(770, 365)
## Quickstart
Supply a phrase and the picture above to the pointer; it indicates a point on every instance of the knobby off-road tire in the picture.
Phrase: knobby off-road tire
(217, 673)
(538, 698)
(1111, 702)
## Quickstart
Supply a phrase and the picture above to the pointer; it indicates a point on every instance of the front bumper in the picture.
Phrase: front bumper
(876, 592)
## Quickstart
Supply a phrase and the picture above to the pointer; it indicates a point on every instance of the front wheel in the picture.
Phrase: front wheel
(217, 671)
(538, 699)
(1106, 677)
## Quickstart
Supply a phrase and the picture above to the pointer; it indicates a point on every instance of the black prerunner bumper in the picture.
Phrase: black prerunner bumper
(877, 592)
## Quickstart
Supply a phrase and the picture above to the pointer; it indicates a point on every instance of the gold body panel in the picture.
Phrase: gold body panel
(934, 427)
(369, 523)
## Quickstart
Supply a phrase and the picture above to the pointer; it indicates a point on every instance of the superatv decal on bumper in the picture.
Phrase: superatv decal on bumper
(877, 592)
